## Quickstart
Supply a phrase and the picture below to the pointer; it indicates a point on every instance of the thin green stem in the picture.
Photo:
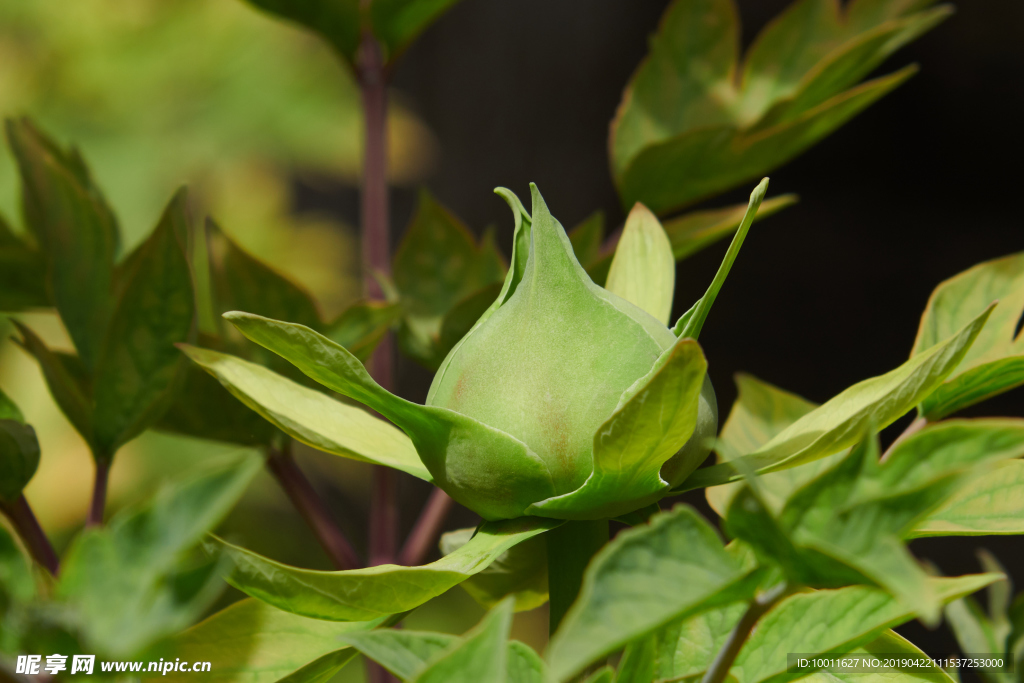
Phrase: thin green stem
(32, 535)
(570, 548)
(719, 668)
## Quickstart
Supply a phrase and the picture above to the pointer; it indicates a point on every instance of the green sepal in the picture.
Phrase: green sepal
(448, 443)
(310, 416)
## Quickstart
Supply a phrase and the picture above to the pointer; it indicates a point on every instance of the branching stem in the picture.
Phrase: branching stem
(719, 668)
(32, 535)
(427, 529)
(311, 506)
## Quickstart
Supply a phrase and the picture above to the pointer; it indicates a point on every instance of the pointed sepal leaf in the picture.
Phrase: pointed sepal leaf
(693, 320)
(995, 362)
(19, 451)
(256, 643)
(448, 443)
(643, 271)
(840, 422)
(139, 369)
(644, 579)
(639, 442)
(310, 416)
(364, 594)
(77, 234)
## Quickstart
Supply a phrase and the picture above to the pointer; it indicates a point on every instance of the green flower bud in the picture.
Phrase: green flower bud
(551, 361)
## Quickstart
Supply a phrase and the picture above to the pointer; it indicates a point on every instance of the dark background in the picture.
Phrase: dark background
(919, 187)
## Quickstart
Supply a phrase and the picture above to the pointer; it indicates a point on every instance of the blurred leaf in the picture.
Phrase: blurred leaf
(525, 665)
(77, 233)
(64, 380)
(362, 594)
(586, 239)
(395, 23)
(760, 412)
(646, 577)
(22, 284)
(437, 265)
(605, 674)
(139, 369)
(362, 325)
(687, 647)
(16, 581)
(688, 128)
(638, 662)
(123, 581)
(995, 362)
(244, 283)
(643, 271)
(206, 410)
(841, 421)
(251, 642)
(482, 654)
(990, 503)
(401, 652)
(19, 451)
(915, 665)
(460, 319)
(521, 571)
(310, 416)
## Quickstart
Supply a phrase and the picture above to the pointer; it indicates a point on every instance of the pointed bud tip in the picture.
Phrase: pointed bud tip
(758, 194)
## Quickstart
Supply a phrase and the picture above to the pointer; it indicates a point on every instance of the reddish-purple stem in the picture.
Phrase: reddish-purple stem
(427, 529)
(99, 494)
(32, 535)
(312, 509)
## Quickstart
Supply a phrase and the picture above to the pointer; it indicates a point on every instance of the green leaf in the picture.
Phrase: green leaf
(688, 128)
(139, 369)
(17, 584)
(605, 674)
(990, 503)
(760, 412)
(19, 451)
(638, 661)
(643, 271)
(401, 652)
(521, 571)
(691, 323)
(645, 578)
(482, 655)
(364, 594)
(336, 21)
(64, 380)
(244, 283)
(687, 647)
(310, 416)
(995, 362)
(448, 443)
(655, 418)
(461, 318)
(890, 645)
(587, 238)
(525, 665)
(398, 22)
(127, 583)
(361, 326)
(77, 233)
(833, 621)
(251, 642)
(22, 285)
(841, 421)
(204, 409)
(437, 265)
